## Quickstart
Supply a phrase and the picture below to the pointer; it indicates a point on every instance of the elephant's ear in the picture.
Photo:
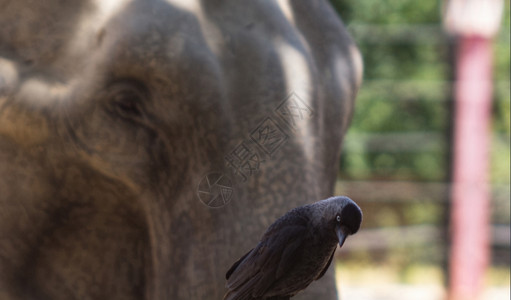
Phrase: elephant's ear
(236, 264)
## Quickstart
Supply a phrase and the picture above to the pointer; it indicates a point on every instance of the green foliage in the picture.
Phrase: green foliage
(501, 125)
(401, 128)
(388, 11)
(382, 166)
(404, 106)
(401, 61)
(407, 89)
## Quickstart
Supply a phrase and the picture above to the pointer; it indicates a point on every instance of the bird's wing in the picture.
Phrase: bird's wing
(267, 262)
(290, 254)
(326, 266)
(236, 264)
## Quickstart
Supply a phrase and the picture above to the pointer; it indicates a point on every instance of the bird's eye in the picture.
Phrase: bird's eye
(338, 218)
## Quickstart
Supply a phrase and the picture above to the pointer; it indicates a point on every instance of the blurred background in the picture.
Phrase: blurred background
(397, 158)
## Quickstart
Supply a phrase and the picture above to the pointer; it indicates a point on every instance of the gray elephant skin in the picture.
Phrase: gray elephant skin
(146, 145)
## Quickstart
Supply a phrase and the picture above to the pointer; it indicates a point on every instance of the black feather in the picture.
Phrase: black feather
(295, 250)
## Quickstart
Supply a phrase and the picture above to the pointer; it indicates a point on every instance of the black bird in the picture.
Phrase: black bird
(295, 250)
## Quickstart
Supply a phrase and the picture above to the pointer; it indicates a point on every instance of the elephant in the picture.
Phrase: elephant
(145, 145)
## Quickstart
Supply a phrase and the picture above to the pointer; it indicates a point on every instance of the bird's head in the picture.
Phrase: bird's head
(341, 216)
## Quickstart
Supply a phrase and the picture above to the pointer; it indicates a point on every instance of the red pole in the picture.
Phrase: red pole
(470, 194)
(474, 22)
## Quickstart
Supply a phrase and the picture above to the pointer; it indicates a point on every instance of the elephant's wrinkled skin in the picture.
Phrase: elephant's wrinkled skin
(111, 113)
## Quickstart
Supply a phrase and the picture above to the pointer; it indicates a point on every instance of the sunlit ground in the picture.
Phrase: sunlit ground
(420, 282)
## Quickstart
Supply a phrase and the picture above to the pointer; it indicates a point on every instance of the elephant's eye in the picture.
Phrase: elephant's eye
(127, 104)
(338, 218)
(126, 98)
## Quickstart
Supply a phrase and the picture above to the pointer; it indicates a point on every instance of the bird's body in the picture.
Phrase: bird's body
(295, 250)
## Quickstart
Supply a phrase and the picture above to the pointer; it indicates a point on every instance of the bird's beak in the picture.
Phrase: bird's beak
(342, 233)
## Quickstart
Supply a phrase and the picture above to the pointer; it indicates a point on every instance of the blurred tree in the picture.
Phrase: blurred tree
(401, 127)
(407, 90)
